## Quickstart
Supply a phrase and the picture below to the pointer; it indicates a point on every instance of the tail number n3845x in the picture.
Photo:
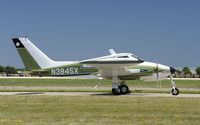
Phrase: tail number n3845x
(64, 71)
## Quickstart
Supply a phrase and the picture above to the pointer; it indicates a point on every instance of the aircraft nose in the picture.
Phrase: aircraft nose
(172, 70)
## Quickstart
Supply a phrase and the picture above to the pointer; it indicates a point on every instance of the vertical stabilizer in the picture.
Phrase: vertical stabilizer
(32, 57)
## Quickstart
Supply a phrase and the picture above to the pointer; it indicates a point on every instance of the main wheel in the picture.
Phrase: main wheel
(116, 91)
(175, 91)
(124, 89)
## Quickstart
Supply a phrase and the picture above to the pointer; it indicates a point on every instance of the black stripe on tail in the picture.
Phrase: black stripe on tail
(17, 43)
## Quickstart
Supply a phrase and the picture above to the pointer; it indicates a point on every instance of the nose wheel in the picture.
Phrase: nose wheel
(174, 91)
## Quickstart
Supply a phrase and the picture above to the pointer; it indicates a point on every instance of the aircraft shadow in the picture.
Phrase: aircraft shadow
(102, 94)
(30, 93)
(106, 94)
(110, 94)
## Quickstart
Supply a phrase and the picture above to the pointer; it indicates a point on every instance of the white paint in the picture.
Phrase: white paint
(43, 60)
(17, 44)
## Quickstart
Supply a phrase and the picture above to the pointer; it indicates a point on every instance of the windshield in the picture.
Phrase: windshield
(139, 59)
(134, 56)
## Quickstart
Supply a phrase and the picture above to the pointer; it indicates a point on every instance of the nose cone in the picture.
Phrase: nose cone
(172, 70)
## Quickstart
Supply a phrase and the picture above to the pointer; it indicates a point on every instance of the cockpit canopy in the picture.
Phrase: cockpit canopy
(128, 56)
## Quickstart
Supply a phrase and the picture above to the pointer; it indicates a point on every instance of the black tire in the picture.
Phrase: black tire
(175, 91)
(124, 89)
(116, 91)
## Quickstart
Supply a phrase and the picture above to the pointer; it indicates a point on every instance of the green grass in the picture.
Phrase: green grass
(48, 82)
(98, 110)
(92, 82)
(95, 110)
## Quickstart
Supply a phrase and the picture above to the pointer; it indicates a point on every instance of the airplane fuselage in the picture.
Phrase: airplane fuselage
(131, 72)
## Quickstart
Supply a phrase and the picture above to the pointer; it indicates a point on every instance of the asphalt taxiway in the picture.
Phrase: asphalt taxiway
(96, 94)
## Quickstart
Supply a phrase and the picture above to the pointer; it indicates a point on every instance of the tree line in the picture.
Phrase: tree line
(186, 70)
(8, 69)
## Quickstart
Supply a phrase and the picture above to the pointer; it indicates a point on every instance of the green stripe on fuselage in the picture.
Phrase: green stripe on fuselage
(145, 71)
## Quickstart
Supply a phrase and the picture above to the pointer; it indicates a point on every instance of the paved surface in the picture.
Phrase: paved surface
(91, 88)
(96, 94)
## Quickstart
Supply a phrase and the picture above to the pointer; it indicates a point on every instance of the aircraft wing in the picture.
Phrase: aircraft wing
(112, 59)
(114, 64)
(111, 67)
(96, 62)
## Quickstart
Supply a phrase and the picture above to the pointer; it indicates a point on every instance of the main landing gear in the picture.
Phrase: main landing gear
(120, 89)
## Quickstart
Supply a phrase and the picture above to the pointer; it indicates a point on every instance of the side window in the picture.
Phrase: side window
(122, 57)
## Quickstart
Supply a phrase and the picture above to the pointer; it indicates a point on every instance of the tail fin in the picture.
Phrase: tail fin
(32, 57)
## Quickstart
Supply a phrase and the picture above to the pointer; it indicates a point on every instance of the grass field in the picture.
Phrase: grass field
(98, 110)
(92, 82)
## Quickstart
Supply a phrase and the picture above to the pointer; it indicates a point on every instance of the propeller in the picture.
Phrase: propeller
(157, 77)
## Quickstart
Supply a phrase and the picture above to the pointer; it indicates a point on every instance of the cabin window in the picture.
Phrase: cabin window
(122, 57)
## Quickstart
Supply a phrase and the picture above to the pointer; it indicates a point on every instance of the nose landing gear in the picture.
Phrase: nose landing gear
(174, 91)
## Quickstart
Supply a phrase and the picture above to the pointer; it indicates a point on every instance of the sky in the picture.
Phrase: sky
(162, 31)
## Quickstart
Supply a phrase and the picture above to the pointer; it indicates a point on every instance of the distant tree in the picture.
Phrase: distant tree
(198, 70)
(10, 70)
(186, 70)
(2, 69)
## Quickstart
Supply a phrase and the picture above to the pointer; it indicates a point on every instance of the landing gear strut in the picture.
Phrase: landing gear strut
(174, 91)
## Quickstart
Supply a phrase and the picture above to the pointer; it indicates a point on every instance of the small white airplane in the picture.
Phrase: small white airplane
(117, 66)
